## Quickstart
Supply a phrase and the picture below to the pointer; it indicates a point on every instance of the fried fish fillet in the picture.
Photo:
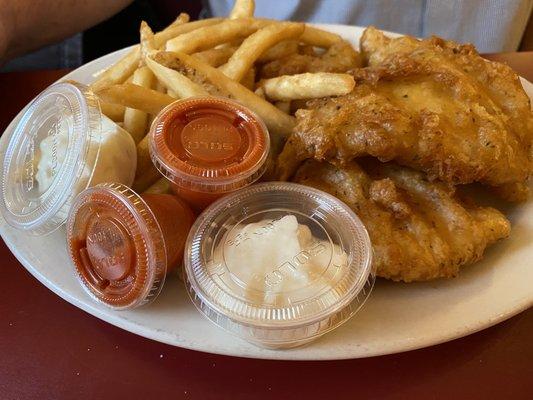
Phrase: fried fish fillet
(432, 105)
(420, 230)
(340, 57)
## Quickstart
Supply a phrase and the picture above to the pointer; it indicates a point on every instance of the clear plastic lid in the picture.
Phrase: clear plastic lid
(278, 264)
(50, 157)
(209, 144)
(117, 246)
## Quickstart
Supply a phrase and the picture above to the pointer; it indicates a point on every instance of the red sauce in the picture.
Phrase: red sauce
(123, 244)
(208, 147)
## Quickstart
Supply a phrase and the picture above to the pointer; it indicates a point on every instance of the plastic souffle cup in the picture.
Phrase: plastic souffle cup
(123, 244)
(208, 147)
(278, 264)
(61, 145)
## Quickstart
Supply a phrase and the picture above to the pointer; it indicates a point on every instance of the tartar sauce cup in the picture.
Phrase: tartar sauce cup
(61, 145)
(208, 147)
(123, 244)
(278, 264)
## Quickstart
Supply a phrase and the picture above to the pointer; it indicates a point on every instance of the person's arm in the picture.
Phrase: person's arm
(26, 25)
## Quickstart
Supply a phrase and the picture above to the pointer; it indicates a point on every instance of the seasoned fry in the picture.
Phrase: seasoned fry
(242, 9)
(307, 86)
(122, 69)
(135, 121)
(210, 36)
(278, 123)
(284, 106)
(178, 84)
(161, 186)
(134, 96)
(282, 49)
(256, 44)
(248, 81)
(114, 112)
(216, 57)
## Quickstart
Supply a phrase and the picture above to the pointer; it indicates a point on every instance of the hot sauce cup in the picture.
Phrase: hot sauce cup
(123, 244)
(208, 147)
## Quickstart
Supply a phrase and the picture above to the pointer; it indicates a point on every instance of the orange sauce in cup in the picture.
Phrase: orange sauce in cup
(122, 244)
(208, 147)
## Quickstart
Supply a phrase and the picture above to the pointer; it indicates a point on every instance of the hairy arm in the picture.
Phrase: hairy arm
(26, 25)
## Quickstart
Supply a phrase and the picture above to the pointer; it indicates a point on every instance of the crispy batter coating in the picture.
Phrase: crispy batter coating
(432, 105)
(420, 230)
(340, 57)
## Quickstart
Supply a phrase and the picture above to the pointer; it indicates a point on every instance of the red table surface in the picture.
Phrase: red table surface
(51, 349)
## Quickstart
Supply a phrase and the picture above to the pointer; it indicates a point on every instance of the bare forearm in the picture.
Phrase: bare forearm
(26, 25)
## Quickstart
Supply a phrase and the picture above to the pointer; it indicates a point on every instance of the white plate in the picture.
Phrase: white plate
(398, 317)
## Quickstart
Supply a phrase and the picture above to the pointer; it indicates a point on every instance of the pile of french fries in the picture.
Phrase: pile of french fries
(216, 56)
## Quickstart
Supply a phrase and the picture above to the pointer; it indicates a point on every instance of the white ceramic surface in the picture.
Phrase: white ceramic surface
(398, 317)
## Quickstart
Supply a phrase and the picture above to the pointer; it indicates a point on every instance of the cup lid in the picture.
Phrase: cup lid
(50, 157)
(117, 246)
(278, 255)
(209, 144)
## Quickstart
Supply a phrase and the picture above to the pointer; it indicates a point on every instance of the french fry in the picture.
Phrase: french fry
(136, 121)
(280, 50)
(248, 81)
(127, 94)
(122, 69)
(256, 44)
(161, 186)
(115, 112)
(216, 83)
(307, 86)
(284, 106)
(242, 9)
(318, 37)
(217, 56)
(146, 173)
(173, 80)
(210, 36)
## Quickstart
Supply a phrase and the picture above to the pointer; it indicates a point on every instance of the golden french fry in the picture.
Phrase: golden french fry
(256, 44)
(123, 68)
(282, 49)
(217, 56)
(213, 35)
(135, 96)
(260, 92)
(115, 112)
(146, 173)
(242, 9)
(216, 83)
(160, 87)
(284, 106)
(179, 85)
(248, 81)
(318, 37)
(161, 38)
(307, 86)
(182, 18)
(136, 121)
(161, 186)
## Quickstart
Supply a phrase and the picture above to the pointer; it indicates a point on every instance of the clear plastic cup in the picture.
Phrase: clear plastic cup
(61, 145)
(278, 264)
(208, 147)
(123, 244)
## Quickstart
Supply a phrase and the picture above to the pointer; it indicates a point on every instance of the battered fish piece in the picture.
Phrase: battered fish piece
(420, 230)
(431, 105)
(340, 57)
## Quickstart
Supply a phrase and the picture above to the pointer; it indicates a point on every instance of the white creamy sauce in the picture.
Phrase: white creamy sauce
(116, 161)
(278, 262)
